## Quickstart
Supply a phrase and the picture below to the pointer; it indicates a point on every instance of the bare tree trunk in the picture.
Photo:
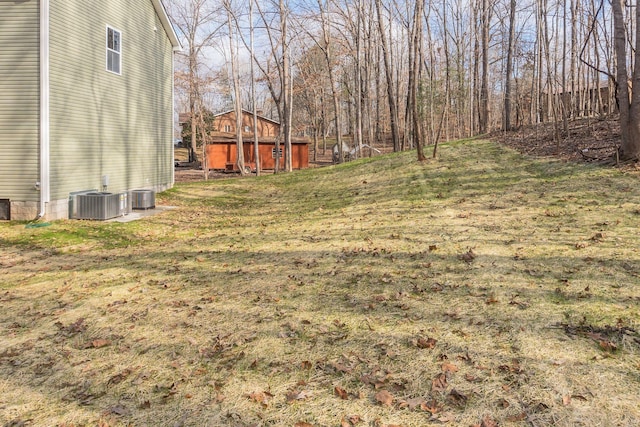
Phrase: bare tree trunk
(286, 85)
(629, 107)
(236, 90)
(574, 58)
(316, 129)
(192, 104)
(447, 89)
(203, 137)
(484, 87)
(508, 95)
(393, 106)
(566, 98)
(358, 81)
(326, 49)
(414, 79)
(256, 141)
(195, 19)
(323, 120)
(552, 93)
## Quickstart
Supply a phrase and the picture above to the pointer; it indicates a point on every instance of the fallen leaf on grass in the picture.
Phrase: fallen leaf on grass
(566, 399)
(371, 379)
(74, 328)
(423, 343)
(521, 305)
(261, 397)
(431, 406)
(492, 299)
(540, 407)
(350, 421)
(449, 367)
(514, 368)
(168, 391)
(472, 378)
(519, 417)
(487, 421)
(457, 398)
(341, 393)
(503, 403)
(439, 383)
(17, 423)
(119, 410)
(118, 378)
(604, 343)
(341, 367)
(100, 343)
(384, 398)
(608, 346)
(468, 256)
(298, 395)
(446, 417)
(413, 403)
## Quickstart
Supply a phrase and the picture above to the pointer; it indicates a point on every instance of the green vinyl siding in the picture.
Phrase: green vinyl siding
(102, 123)
(19, 99)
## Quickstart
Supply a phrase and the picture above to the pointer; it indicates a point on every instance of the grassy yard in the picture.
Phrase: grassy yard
(481, 289)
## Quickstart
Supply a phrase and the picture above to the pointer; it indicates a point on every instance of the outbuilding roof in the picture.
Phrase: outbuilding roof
(250, 113)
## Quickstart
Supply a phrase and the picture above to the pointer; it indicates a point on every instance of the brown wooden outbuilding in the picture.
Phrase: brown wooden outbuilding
(222, 152)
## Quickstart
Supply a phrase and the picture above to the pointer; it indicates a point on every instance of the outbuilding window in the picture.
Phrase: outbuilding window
(114, 50)
(273, 153)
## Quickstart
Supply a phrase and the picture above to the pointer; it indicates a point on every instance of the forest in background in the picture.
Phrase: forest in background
(410, 73)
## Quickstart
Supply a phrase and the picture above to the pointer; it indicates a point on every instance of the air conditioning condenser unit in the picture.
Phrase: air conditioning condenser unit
(101, 205)
(143, 199)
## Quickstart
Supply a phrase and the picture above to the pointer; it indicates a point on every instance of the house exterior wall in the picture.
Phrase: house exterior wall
(19, 105)
(227, 123)
(103, 124)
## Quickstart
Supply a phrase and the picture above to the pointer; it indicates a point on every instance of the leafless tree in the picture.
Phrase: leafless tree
(235, 77)
(629, 103)
(198, 25)
(388, 67)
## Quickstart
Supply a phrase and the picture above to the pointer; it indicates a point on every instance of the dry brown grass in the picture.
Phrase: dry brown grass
(478, 289)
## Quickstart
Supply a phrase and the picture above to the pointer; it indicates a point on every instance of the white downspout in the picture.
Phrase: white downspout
(45, 190)
(173, 112)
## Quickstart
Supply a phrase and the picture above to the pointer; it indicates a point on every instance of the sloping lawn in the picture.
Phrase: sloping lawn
(482, 288)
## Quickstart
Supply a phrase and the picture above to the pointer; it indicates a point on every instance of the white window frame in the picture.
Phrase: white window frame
(108, 50)
(227, 128)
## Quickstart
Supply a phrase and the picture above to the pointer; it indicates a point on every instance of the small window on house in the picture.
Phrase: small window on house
(273, 153)
(247, 128)
(227, 128)
(114, 50)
